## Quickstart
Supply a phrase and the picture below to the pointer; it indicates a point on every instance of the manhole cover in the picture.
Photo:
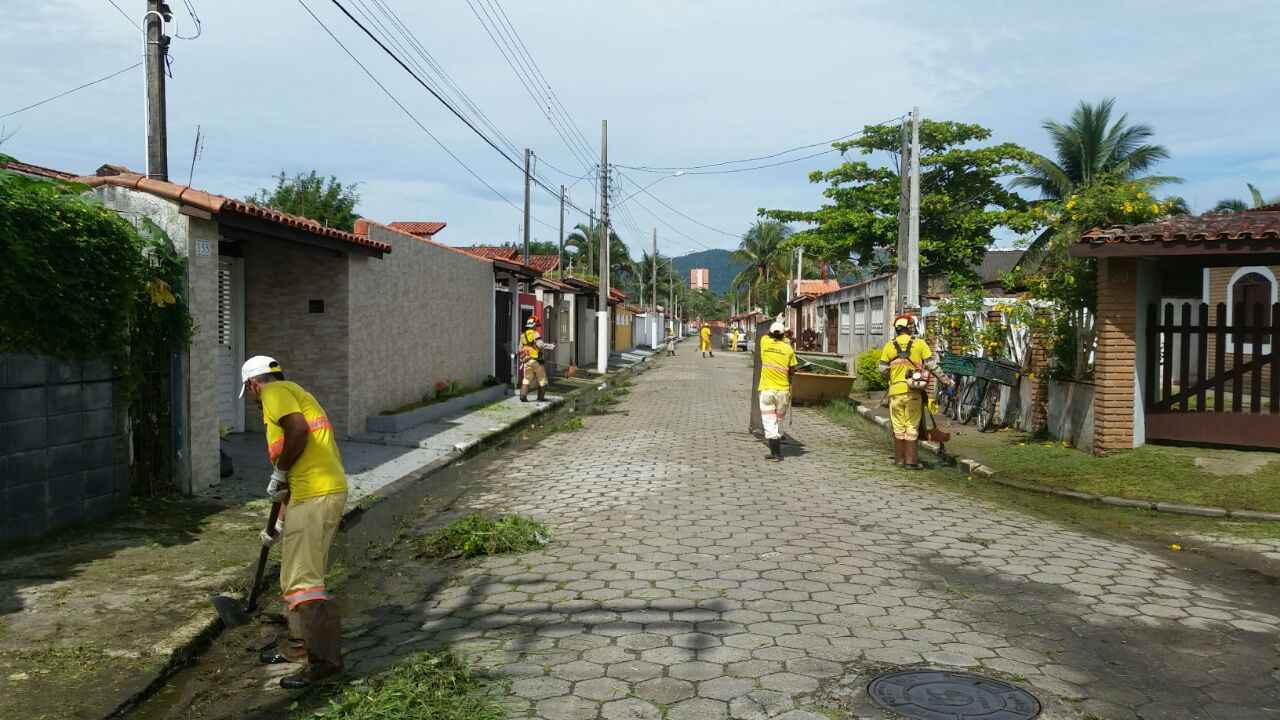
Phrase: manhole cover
(942, 695)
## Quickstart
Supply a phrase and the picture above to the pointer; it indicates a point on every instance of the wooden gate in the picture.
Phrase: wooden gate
(502, 337)
(833, 329)
(1234, 398)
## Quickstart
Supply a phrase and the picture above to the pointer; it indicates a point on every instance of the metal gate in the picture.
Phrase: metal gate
(502, 337)
(1231, 396)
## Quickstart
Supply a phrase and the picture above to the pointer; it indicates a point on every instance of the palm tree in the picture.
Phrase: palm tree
(1090, 146)
(644, 278)
(765, 259)
(622, 271)
(1231, 205)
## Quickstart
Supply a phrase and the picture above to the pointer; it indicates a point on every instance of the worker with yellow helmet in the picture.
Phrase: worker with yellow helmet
(908, 362)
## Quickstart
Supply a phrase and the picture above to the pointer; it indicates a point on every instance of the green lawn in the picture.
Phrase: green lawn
(1232, 479)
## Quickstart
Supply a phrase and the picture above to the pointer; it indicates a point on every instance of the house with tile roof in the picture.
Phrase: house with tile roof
(366, 320)
(1188, 310)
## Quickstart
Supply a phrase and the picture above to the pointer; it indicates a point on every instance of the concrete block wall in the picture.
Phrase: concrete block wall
(63, 451)
(421, 314)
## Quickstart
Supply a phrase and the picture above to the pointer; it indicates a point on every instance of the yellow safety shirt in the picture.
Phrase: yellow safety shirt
(899, 369)
(529, 340)
(318, 470)
(777, 357)
(705, 333)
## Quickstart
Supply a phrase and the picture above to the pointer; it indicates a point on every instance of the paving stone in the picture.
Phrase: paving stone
(725, 688)
(602, 689)
(568, 707)
(760, 705)
(665, 690)
(537, 688)
(789, 683)
(630, 709)
(698, 709)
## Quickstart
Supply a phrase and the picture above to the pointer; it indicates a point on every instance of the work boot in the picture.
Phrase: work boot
(542, 394)
(775, 450)
(911, 455)
(524, 396)
(308, 676)
(897, 452)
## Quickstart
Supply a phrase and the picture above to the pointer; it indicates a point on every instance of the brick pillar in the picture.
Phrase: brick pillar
(1038, 368)
(1116, 354)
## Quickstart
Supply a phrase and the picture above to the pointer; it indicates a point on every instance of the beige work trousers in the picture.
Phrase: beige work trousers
(314, 626)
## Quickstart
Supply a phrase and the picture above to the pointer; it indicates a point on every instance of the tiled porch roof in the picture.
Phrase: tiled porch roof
(1260, 224)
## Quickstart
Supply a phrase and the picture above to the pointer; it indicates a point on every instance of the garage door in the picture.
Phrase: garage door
(230, 347)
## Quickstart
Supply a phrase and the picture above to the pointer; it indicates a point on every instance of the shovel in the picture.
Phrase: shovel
(229, 609)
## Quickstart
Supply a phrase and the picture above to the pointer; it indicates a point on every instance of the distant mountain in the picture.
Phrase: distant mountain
(722, 267)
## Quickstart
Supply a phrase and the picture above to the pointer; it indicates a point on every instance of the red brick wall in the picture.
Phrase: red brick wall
(1116, 354)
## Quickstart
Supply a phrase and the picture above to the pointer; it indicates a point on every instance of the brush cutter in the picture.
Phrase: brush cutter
(229, 609)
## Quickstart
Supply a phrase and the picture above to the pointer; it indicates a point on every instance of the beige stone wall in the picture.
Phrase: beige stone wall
(421, 314)
(281, 279)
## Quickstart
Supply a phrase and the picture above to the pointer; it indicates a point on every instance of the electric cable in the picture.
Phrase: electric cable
(125, 15)
(91, 83)
(413, 117)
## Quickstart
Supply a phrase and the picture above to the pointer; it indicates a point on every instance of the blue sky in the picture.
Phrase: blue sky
(681, 83)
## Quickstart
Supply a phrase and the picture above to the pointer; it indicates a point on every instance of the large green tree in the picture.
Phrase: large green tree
(1089, 147)
(328, 201)
(763, 252)
(962, 199)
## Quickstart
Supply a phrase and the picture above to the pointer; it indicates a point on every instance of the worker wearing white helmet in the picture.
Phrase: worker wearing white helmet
(308, 477)
(531, 347)
(908, 363)
(777, 364)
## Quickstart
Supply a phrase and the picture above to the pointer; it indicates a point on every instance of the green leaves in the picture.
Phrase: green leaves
(962, 199)
(325, 200)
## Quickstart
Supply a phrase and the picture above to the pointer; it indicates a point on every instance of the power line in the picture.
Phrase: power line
(195, 19)
(690, 168)
(72, 90)
(413, 117)
(439, 72)
(663, 203)
(125, 15)
(516, 63)
(436, 94)
(551, 93)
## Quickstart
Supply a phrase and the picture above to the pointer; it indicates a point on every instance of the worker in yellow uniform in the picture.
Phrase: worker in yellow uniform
(308, 478)
(907, 361)
(733, 340)
(777, 364)
(704, 339)
(531, 347)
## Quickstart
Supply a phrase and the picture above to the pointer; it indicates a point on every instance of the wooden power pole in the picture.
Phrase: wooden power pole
(560, 252)
(157, 126)
(527, 157)
(904, 220)
(913, 230)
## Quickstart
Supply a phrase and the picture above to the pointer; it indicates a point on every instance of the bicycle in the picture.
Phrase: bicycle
(974, 379)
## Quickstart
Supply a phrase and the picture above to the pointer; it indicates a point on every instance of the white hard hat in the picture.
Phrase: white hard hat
(530, 322)
(255, 366)
(777, 327)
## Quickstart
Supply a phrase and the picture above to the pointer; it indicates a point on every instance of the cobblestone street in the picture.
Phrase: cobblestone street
(692, 578)
(689, 579)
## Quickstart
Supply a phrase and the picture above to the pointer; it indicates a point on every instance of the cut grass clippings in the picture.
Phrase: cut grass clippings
(429, 686)
(573, 424)
(476, 535)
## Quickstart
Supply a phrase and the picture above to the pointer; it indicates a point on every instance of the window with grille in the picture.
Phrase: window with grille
(877, 315)
(225, 334)
(860, 317)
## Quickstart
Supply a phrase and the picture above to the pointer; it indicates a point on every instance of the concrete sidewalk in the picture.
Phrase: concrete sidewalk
(92, 618)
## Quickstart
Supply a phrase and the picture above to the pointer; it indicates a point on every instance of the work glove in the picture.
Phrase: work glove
(273, 537)
(278, 486)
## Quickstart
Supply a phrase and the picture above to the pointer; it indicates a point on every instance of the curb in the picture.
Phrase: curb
(973, 467)
(210, 630)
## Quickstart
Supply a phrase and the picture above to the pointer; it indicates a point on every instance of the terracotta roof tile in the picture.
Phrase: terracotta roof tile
(491, 252)
(1260, 224)
(544, 263)
(217, 204)
(37, 170)
(816, 287)
(421, 229)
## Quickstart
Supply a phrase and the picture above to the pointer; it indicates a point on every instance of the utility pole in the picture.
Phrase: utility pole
(671, 293)
(528, 154)
(913, 230)
(653, 312)
(560, 256)
(157, 46)
(904, 211)
(602, 313)
(591, 233)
